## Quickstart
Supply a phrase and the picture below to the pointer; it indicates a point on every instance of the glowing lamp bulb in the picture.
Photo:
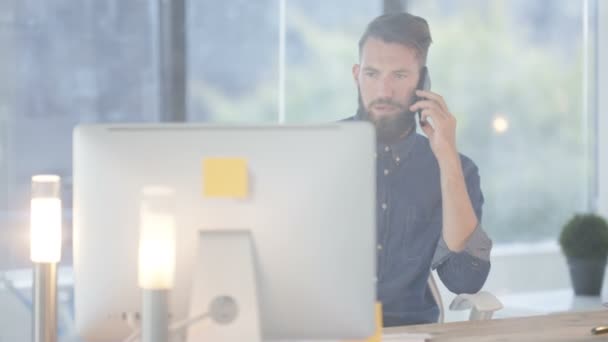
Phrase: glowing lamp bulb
(156, 239)
(45, 219)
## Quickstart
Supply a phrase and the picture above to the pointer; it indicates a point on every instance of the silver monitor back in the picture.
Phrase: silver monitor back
(310, 211)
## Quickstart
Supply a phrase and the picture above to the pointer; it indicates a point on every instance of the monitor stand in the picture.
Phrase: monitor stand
(225, 285)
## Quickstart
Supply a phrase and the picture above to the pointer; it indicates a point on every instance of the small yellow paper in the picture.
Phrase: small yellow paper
(377, 336)
(225, 177)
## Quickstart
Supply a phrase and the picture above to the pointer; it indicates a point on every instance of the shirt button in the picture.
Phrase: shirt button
(385, 172)
(386, 148)
(379, 247)
(384, 206)
(397, 159)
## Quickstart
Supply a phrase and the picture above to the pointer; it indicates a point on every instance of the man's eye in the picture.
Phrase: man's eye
(401, 76)
(371, 74)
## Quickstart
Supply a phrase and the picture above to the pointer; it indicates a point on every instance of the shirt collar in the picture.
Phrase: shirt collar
(399, 150)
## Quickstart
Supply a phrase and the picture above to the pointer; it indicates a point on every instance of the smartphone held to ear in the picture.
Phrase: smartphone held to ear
(424, 83)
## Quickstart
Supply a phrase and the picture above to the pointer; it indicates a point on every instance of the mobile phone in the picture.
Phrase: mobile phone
(424, 83)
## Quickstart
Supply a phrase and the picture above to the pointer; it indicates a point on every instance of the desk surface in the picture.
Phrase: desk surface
(566, 327)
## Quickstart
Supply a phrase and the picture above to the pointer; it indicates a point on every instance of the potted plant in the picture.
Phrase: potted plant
(584, 241)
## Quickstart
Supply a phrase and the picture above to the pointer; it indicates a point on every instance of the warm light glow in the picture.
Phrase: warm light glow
(49, 179)
(45, 230)
(501, 125)
(157, 243)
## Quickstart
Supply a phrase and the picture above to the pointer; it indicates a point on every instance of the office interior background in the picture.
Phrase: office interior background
(526, 79)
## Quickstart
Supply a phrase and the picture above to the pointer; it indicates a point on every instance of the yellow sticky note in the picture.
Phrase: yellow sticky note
(225, 177)
(377, 336)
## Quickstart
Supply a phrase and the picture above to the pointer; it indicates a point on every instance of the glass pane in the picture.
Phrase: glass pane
(321, 47)
(232, 61)
(512, 73)
(65, 63)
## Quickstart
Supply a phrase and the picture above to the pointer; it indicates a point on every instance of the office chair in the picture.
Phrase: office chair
(482, 304)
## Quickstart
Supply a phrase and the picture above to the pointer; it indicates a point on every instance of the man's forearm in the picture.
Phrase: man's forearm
(459, 219)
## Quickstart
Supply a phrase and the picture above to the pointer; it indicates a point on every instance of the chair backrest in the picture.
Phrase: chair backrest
(437, 296)
(482, 304)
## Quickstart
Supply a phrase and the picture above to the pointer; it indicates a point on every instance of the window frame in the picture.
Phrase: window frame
(601, 113)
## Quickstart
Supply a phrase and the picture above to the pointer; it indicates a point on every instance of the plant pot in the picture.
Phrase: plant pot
(587, 275)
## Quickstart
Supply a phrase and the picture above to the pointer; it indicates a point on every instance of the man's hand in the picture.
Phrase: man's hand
(442, 131)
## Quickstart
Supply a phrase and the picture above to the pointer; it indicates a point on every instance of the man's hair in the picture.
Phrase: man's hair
(401, 28)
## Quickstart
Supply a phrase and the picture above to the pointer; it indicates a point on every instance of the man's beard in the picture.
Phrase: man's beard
(389, 129)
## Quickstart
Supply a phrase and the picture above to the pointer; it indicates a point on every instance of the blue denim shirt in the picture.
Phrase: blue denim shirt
(409, 226)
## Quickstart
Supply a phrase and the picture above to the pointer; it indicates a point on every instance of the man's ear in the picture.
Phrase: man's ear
(356, 69)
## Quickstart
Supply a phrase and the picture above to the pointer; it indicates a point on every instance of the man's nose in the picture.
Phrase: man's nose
(385, 88)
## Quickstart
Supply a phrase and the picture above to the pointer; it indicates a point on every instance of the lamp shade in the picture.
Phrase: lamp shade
(156, 238)
(45, 219)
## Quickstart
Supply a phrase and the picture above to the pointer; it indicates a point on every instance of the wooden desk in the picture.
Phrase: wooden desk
(566, 327)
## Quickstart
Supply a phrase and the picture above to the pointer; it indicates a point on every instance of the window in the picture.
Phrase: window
(232, 58)
(321, 47)
(65, 63)
(512, 73)
(235, 64)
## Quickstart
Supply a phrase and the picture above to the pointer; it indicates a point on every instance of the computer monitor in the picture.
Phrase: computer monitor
(309, 209)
